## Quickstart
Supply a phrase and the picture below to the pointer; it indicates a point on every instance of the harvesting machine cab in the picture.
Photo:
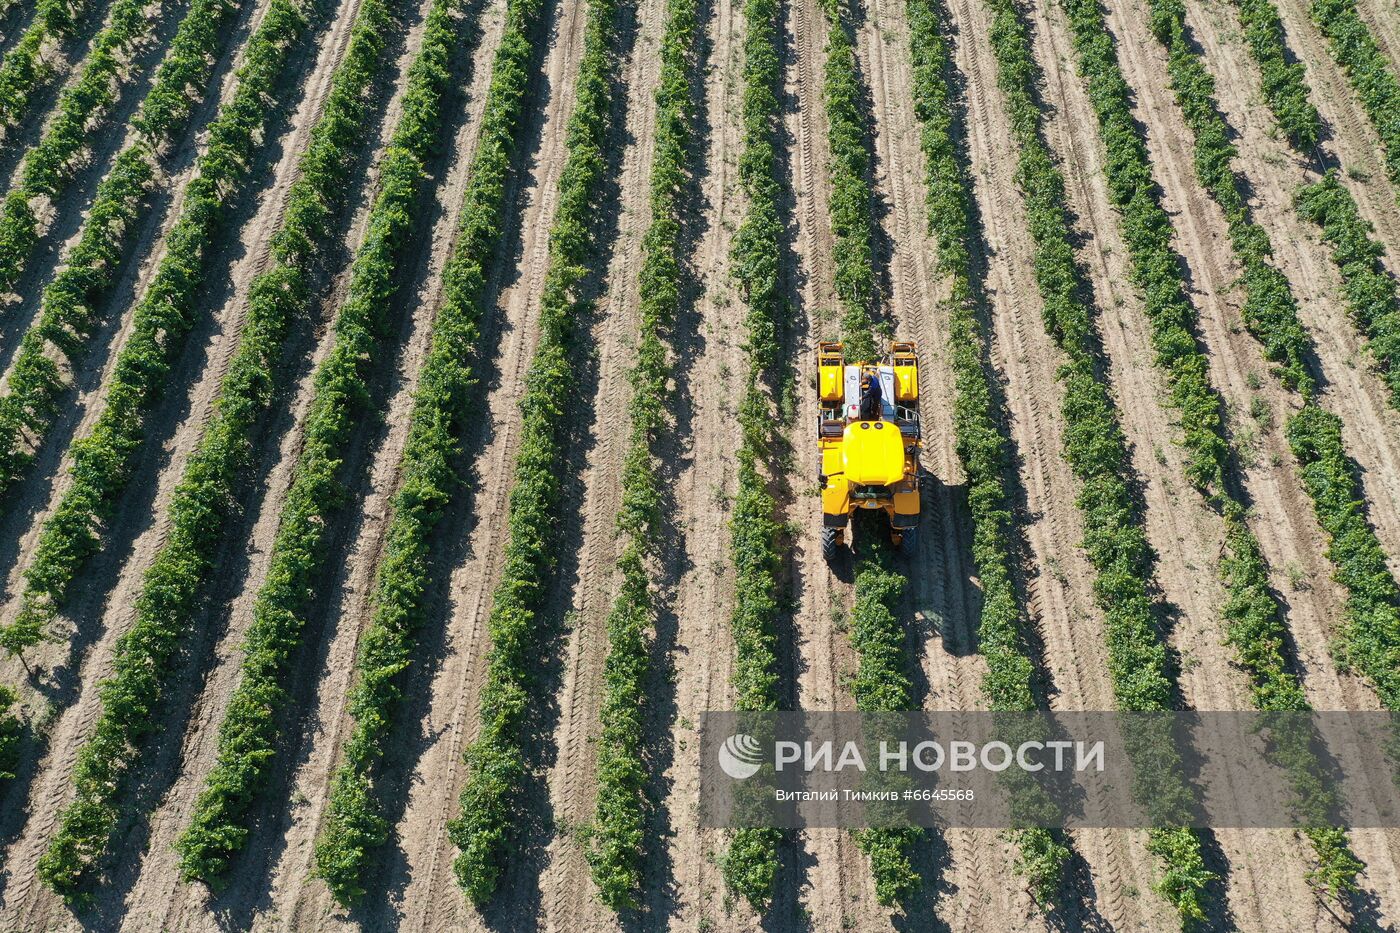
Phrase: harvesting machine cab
(873, 462)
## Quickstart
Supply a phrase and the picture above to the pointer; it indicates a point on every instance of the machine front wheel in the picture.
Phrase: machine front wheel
(909, 542)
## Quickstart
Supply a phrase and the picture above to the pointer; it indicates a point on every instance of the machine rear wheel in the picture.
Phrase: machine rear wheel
(831, 543)
(909, 542)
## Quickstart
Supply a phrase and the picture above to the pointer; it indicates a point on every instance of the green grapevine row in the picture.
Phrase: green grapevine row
(102, 461)
(248, 733)
(47, 167)
(1114, 538)
(11, 734)
(616, 842)
(978, 415)
(1372, 634)
(23, 70)
(1370, 640)
(882, 685)
(1372, 77)
(852, 219)
(750, 865)
(354, 823)
(487, 830)
(11, 728)
(1284, 82)
(69, 303)
(1371, 292)
(104, 458)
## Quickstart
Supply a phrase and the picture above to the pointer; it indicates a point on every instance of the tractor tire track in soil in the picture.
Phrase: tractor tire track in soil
(700, 594)
(113, 578)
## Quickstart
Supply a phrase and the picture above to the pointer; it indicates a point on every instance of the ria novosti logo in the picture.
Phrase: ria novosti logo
(740, 756)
